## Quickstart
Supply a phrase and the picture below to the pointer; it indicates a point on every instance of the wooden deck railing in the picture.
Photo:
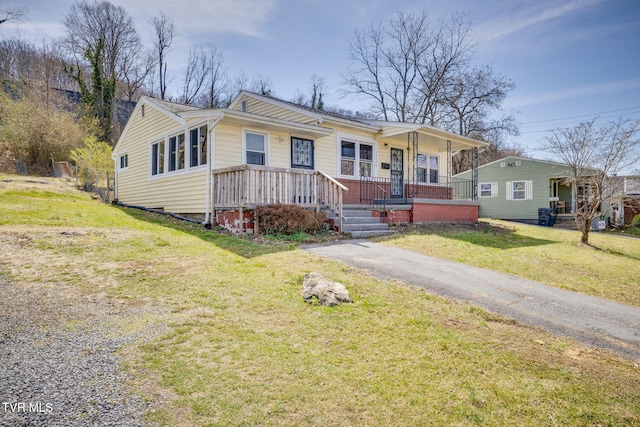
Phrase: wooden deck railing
(248, 186)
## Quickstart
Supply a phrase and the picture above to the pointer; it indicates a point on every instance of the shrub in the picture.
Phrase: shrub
(636, 221)
(288, 219)
(93, 160)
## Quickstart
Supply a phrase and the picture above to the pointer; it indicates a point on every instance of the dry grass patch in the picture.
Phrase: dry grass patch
(245, 349)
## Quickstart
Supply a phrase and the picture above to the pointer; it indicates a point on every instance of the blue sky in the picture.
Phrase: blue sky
(570, 59)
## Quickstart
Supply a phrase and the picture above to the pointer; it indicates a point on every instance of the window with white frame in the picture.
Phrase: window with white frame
(198, 146)
(356, 158)
(301, 153)
(519, 190)
(176, 152)
(428, 168)
(255, 148)
(488, 189)
(157, 158)
(124, 161)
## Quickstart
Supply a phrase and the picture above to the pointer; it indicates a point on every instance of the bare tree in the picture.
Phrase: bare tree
(413, 69)
(596, 155)
(472, 96)
(263, 85)
(165, 30)
(260, 84)
(12, 13)
(104, 29)
(204, 80)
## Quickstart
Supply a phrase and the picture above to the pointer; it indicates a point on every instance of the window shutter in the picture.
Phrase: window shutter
(509, 192)
(494, 189)
(528, 190)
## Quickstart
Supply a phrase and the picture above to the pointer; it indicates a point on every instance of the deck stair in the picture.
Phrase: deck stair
(360, 223)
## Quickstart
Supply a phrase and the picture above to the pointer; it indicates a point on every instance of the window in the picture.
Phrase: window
(124, 161)
(301, 153)
(356, 153)
(428, 172)
(348, 158)
(176, 152)
(157, 158)
(434, 170)
(488, 189)
(198, 144)
(519, 190)
(366, 159)
(255, 148)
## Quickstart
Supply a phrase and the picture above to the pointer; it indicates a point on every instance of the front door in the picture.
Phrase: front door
(397, 174)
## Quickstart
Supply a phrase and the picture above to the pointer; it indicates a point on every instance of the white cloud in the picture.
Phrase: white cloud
(537, 14)
(595, 89)
(246, 17)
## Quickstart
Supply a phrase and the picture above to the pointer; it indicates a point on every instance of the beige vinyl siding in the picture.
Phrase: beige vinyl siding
(178, 192)
(256, 106)
(384, 156)
(228, 146)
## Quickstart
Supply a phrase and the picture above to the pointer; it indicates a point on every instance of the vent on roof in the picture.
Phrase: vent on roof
(243, 106)
(503, 164)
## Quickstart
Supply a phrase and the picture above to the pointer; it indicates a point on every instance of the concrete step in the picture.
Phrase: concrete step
(360, 213)
(360, 219)
(371, 233)
(348, 228)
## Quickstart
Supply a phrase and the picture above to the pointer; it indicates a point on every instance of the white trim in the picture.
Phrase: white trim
(494, 189)
(197, 127)
(528, 190)
(254, 131)
(119, 161)
(428, 154)
(357, 139)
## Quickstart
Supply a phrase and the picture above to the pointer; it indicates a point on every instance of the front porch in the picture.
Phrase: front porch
(237, 190)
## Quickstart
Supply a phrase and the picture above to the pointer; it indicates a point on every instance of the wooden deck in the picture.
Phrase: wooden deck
(249, 186)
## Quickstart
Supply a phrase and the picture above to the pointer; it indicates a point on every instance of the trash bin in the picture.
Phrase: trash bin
(545, 218)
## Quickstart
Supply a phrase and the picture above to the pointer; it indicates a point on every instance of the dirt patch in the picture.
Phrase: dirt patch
(450, 228)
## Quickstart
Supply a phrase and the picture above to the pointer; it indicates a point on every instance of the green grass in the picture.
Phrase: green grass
(245, 349)
(610, 268)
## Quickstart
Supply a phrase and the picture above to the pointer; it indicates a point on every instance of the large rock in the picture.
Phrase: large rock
(327, 291)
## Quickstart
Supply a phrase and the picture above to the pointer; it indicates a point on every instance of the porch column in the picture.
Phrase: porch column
(449, 162)
(474, 173)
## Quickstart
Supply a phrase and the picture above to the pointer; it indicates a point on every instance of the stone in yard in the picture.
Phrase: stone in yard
(327, 291)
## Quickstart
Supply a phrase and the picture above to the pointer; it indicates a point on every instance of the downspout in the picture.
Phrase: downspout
(212, 124)
(115, 176)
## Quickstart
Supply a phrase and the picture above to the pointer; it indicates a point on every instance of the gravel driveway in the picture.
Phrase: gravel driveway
(57, 360)
(593, 321)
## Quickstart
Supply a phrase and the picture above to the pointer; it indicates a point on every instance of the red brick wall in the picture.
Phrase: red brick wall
(351, 197)
(395, 217)
(231, 221)
(444, 213)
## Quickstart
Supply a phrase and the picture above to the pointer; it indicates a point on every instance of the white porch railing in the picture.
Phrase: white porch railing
(249, 186)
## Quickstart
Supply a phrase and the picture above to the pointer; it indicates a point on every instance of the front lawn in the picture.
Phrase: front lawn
(610, 268)
(245, 349)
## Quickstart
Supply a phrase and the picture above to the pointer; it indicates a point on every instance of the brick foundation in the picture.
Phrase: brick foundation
(230, 220)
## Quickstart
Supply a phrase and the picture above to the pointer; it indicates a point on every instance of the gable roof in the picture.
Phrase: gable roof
(384, 129)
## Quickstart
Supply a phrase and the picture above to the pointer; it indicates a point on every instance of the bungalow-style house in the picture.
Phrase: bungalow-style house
(514, 188)
(215, 165)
